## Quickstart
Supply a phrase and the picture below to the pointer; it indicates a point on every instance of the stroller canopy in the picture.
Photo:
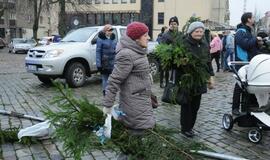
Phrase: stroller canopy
(258, 72)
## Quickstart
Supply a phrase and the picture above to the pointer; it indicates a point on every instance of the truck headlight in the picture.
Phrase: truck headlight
(53, 53)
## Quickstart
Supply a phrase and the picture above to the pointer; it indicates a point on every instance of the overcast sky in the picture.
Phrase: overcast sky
(236, 9)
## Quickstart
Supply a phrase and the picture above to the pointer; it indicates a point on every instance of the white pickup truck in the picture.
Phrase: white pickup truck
(74, 58)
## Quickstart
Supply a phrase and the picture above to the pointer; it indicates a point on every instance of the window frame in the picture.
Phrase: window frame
(161, 21)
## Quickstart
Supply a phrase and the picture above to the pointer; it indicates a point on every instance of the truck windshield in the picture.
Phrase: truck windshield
(79, 35)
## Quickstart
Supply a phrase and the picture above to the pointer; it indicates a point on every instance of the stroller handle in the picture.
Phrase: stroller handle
(236, 63)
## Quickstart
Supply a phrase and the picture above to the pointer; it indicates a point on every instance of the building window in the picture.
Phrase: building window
(85, 1)
(88, 1)
(125, 18)
(41, 20)
(91, 19)
(132, 1)
(2, 21)
(123, 1)
(114, 1)
(12, 16)
(160, 0)
(97, 2)
(28, 19)
(106, 1)
(161, 18)
(108, 18)
(116, 18)
(99, 19)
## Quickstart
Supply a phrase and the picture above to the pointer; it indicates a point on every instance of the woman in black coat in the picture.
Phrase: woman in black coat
(195, 44)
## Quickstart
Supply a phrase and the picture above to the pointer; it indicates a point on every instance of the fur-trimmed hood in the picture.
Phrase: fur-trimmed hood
(102, 35)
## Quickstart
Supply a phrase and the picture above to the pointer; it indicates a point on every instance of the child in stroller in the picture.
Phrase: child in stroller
(254, 80)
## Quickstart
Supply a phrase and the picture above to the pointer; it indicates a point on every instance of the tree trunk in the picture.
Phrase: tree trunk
(37, 11)
(62, 18)
(2, 11)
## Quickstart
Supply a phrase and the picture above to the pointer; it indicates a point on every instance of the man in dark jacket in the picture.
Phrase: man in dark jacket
(105, 53)
(169, 37)
(163, 29)
(245, 49)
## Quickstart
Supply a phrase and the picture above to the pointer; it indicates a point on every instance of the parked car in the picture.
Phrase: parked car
(74, 58)
(49, 40)
(45, 40)
(21, 45)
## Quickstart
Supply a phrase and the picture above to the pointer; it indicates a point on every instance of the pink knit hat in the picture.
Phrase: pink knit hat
(136, 29)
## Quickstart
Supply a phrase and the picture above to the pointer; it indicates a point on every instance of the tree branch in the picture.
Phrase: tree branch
(172, 145)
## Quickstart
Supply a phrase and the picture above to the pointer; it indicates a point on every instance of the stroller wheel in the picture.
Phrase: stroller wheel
(227, 122)
(255, 135)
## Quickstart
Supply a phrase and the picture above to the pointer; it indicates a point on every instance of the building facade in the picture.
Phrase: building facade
(220, 11)
(265, 22)
(213, 10)
(100, 12)
(115, 12)
(18, 18)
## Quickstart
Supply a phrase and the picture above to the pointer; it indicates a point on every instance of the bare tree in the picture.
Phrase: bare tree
(62, 12)
(2, 11)
(37, 5)
(3, 7)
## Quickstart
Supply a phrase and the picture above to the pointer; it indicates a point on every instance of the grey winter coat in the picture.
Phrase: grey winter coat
(131, 77)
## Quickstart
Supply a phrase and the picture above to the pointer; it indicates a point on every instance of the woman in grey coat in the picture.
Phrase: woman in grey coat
(131, 77)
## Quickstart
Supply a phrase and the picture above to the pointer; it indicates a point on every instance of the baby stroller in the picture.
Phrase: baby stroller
(254, 80)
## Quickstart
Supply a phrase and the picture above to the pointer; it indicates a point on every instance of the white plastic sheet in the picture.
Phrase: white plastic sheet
(38, 130)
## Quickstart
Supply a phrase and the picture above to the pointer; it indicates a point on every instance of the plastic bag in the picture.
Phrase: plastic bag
(104, 132)
(117, 114)
(108, 126)
(38, 130)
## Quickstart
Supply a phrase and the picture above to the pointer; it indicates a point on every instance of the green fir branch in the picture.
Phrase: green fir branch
(75, 129)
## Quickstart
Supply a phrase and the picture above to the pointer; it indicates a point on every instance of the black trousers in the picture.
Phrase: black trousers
(189, 113)
(236, 96)
(162, 74)
(216, 56)
(237, 92)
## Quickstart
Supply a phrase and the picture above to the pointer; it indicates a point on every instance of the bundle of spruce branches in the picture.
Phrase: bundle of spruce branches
(176, 56)
(10, 135)
(77, 119)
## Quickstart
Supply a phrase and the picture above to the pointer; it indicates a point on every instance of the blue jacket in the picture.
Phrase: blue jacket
(246, 41)
(105, 52)
(230, 41)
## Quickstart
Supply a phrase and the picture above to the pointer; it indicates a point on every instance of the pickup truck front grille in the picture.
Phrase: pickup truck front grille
(36, 53)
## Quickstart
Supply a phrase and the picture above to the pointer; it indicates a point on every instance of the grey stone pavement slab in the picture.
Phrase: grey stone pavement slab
(22, 92)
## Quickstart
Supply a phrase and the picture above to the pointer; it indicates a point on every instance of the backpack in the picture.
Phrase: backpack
(240, 52)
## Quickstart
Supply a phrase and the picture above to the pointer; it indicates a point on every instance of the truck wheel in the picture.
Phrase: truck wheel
(45, 79)
(154, 67)
(75, 75)
(13, 51)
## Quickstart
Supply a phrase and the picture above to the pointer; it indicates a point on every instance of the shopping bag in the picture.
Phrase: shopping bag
(38, 130)
(170, 93)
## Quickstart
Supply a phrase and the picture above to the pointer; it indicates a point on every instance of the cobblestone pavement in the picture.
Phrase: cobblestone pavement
(22, 92)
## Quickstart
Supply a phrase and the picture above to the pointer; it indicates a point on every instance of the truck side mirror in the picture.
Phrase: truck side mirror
(94, 41)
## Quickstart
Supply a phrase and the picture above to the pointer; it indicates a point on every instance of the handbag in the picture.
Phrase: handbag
(170, 90)
(174, 94)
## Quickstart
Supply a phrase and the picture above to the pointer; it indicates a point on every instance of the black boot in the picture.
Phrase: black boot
(236, 112)
(189, 134)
